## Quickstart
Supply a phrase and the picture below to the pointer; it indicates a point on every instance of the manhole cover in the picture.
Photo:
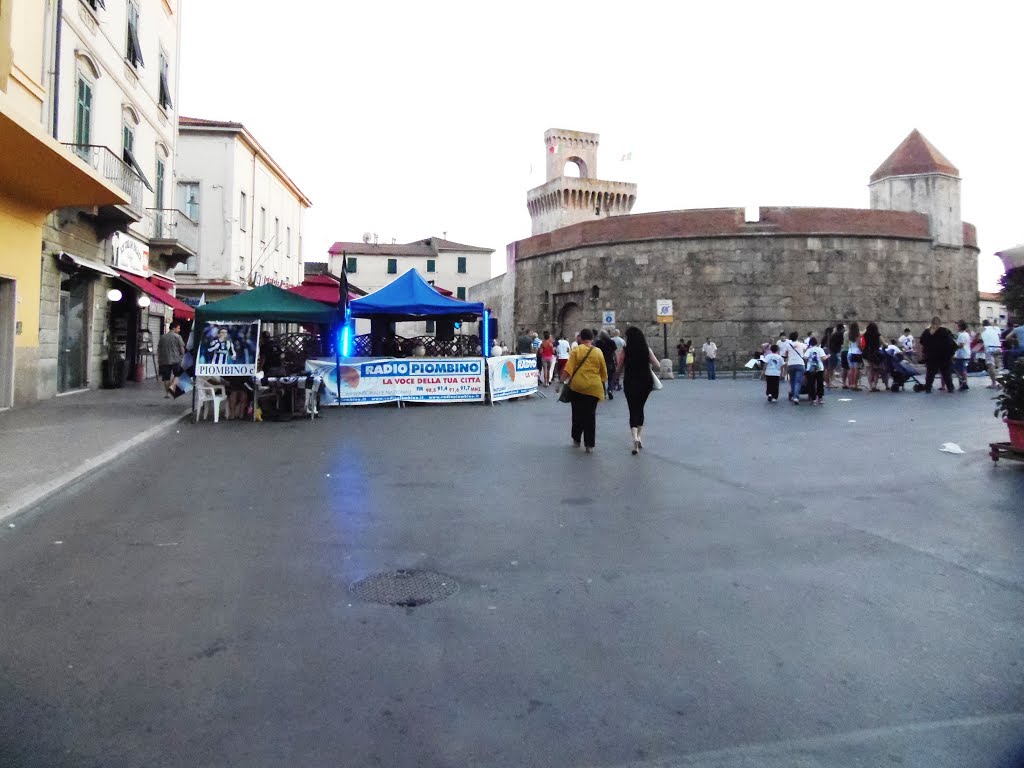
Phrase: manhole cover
(405, 588)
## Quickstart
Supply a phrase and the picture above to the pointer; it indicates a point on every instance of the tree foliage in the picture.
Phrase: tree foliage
(1013, 293)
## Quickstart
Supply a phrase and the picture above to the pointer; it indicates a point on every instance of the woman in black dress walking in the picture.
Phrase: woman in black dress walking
(637, 360)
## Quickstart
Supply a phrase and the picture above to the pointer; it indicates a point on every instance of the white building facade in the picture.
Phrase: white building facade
(250, 211)
(991, 307)
(112, 101)
(445, 264)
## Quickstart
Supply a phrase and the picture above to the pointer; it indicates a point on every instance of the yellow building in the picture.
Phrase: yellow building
(37, 176)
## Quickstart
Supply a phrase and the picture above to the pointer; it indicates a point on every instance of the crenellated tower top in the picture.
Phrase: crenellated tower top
(563, 200)
(576, 147)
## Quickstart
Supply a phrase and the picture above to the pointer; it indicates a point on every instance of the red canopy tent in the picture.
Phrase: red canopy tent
(324, 288)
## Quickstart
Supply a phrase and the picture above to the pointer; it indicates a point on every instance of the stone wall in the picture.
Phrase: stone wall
(67, 231)
(497, 294)
(743, 290)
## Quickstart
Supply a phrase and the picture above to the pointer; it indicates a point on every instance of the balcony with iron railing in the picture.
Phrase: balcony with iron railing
(175, 231)
(119, 173)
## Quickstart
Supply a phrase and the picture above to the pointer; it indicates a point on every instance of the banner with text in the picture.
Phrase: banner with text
(420, 379)
(512, 376)
(228, 349)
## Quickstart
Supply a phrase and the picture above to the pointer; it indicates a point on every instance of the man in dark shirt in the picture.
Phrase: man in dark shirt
(524, 344)
(608, 348)
(169, 351)
(938, 345)
(834, 362)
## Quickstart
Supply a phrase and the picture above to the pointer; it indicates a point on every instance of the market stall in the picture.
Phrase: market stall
(237, 345)
(382, 367)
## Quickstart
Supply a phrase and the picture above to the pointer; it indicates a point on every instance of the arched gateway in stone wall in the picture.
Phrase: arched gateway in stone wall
(898, 263)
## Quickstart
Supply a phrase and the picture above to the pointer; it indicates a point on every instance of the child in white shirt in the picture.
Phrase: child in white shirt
(773, 363)
(815, 358)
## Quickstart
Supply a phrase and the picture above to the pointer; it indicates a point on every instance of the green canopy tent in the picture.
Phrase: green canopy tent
(269, 304)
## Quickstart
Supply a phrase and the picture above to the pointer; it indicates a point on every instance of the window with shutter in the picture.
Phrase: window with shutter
(133, 50)
(165, 88)
(83, 113)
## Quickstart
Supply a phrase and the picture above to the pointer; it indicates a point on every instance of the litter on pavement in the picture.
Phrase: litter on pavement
(951, 448)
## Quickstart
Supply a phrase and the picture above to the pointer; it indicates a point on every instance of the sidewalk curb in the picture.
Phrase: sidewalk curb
(40, 493)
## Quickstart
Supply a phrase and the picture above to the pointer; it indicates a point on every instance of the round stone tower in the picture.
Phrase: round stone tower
(917, 177)
(563, 200)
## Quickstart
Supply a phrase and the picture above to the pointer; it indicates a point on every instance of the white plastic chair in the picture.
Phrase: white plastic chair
(208, 392)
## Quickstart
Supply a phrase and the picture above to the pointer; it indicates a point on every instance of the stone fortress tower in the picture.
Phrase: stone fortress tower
(917, 177)
(563, 200)
(734, 276)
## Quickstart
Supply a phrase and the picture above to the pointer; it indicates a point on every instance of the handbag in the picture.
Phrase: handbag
(565, 396)
(656, 382)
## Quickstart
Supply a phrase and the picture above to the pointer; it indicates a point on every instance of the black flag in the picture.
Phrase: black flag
(342, 321)
(343, 288)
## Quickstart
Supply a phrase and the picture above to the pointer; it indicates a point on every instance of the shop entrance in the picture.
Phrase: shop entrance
(7, 330)
(72, 334)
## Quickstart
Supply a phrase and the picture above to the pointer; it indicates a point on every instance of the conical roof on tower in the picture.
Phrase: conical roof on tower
(914, 155)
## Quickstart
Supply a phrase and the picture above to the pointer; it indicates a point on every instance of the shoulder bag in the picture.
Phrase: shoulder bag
(565, 396)
(655, 381)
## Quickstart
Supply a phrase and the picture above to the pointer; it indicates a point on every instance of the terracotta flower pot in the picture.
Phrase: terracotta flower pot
(1016, 433)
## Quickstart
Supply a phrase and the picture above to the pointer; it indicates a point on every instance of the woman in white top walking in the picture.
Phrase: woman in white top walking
(854, 356)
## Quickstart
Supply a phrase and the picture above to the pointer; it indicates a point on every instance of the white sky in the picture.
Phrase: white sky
(409, 119)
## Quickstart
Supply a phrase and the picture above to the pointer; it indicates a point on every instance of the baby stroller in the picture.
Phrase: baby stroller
(900, 371)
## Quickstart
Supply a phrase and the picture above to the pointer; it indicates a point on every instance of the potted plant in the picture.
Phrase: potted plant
(1010, 403)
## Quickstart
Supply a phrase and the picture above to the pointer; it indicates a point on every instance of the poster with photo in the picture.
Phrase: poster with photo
(228, 349)
(512, 376)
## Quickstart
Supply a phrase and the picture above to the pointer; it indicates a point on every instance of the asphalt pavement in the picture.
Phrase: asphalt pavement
(50, 445)
(765, 585)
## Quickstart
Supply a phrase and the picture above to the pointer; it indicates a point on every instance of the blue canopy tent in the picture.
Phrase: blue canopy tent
(410, 297)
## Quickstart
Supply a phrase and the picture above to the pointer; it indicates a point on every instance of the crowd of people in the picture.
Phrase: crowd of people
(844, 356)
(597, 364)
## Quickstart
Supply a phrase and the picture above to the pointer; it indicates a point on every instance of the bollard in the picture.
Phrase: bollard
(666, 369)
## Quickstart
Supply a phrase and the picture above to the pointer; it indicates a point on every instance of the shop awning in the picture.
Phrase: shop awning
(155, 292)
(71, 260)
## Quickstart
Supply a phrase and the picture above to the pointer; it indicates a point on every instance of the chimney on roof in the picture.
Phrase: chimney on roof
(917, 177)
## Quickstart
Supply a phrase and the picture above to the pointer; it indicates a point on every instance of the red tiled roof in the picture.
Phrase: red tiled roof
(729, 222)
(369, 249)
(200, 122)
(986, 296)
(914, 155)
(430, 246)
(440, 244)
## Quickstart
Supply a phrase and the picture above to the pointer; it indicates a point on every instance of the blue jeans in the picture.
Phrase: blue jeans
(796, 380)
(711, 368)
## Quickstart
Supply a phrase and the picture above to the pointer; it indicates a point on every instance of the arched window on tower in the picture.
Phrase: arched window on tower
(575, 168)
